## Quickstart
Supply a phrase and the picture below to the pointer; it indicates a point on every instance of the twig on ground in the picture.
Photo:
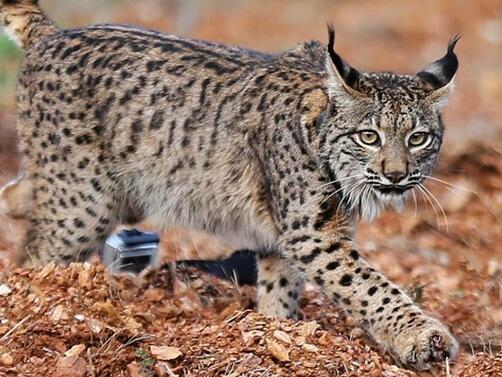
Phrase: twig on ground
(15, 328)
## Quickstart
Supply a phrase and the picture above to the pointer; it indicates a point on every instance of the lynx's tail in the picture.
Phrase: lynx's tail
(24, 21)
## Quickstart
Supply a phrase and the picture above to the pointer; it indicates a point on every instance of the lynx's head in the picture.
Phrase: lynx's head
(381, 133)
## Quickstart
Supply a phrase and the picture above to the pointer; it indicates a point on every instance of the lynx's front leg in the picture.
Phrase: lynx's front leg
(279, 285)
(388, 313)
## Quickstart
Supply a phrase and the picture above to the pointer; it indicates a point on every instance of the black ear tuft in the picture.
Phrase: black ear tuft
(442, 71)
(348, 74)
(453, 42)
(19, 2)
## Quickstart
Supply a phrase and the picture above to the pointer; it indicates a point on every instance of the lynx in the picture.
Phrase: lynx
(279, 153)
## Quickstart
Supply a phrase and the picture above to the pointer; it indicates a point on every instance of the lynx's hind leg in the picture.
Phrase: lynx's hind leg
(279, 286)
(68, 222)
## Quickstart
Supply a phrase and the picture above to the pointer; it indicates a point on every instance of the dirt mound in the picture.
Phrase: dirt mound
(82, 321)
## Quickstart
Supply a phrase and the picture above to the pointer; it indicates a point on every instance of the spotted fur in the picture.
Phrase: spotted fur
(119, 123)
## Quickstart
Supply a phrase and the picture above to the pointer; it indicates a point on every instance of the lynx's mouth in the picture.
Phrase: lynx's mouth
(392, 189)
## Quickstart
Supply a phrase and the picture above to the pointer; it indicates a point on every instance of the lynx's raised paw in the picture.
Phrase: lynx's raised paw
(422, 346)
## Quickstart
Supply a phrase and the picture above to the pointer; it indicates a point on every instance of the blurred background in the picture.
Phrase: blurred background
(455, 271)
(371, 35)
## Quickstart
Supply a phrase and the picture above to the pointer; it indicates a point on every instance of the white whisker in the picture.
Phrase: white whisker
(415, 203)
(356, 200)
(450, 184)
(347, 195)
(339, 180)
(452, 188)
(334, 193)
(426, 197)
(439, 205)
(365, 198)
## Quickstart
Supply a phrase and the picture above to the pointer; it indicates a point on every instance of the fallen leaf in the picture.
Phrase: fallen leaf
(58, 314)
(35, 360)
(324, 339)
(70, 367)
(95, 326)
(277, 350)
(134, 369)
(310, 347)
(165, 353)
(300, 341)
(282, 336)
(74, 351)
(250, 337)
(107, 308)
(309, 364)
(84, 279)
(132, 324)
(308, 328)
(45, 271)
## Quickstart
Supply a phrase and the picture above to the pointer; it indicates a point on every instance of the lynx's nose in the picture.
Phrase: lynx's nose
(394, 171)
(395, 176)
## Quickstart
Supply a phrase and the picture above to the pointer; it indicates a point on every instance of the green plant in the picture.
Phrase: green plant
(146, 359)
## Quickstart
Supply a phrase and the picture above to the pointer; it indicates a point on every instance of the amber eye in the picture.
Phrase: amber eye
(418, 139)
(369, 137)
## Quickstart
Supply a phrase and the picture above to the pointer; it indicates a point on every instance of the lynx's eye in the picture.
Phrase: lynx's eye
(418, 139)
(369, 138)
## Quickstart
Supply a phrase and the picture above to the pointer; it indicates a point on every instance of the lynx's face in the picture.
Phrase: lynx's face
(382, 152)
(382, 134)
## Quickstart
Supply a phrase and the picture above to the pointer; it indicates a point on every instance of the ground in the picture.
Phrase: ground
(81, 321)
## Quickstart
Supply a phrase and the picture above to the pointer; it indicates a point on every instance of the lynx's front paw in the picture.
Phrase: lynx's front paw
(430, 342)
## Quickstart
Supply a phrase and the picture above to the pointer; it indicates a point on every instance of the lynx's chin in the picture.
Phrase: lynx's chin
(372, 204)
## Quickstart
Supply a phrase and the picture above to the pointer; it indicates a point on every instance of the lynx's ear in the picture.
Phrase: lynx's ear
(439, 76)
(343, 79)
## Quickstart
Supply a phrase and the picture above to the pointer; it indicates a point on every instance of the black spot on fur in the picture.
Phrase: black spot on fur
(310, 257)
(78, 223)
(319, 280)
(270, 286)
(157, 120)
(372, 290)
(283, 282)
(333, 247)
(346, 280)
(332, 265)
